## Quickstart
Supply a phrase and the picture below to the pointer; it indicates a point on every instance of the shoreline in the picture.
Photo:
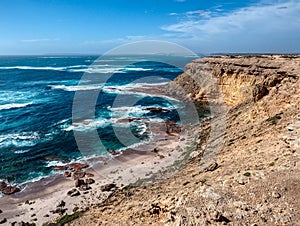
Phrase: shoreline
(35, 203)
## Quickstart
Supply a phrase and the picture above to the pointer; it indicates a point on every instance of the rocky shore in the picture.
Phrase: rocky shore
(238, 167)
(253, 179)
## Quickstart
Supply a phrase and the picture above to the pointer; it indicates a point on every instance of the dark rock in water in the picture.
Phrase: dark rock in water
(78, 166)
(113, 152)
(108, 187)
(78, 175)
(3, 221)
(61, 204)
(89, 181)
(79, 182)
(158, 110)
(67, 174)
(60, 168)
(9, 190)
(2, 185)
(74, 192)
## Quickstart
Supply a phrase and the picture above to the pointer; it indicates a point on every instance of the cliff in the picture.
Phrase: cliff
(254, 179)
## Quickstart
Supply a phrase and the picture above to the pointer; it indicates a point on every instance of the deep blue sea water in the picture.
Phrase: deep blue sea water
(36, 101)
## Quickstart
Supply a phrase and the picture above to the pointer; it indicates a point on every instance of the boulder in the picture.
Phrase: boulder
(84, 187)
(79, 183)
(74, 192)
(9, 190)
(78, 175)
(89, 181)
(78, 166)
(2, 185)
(89, 175)
(113, 152)
(108, 187)
(61, 204)
(60, 168)
(3, 221)
(67, 174)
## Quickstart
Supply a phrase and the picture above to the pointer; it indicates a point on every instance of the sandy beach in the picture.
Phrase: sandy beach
(41, 201)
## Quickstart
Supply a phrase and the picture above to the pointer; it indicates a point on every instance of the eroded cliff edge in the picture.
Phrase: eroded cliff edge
(254, 178)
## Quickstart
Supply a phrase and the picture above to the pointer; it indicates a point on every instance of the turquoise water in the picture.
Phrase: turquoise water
(36, 100)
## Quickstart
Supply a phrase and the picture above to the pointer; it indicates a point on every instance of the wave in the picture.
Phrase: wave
(21, 151)
(74, 88)
(15, 105)
(119, 113)
(25, 139)
(88, 124)
(101, 69)
(32, 68)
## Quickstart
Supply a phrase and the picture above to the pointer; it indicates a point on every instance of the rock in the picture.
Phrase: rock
(59, 211)
(74, 192)
(78, 166)
(218, 217)
(113, 152)
(61, 204)
(78, 175)
(79, 183)
(1, 211)
(108, 187)
(89, 175)
(60, 168)
(276, 195)
(47, 215)
(76, 209)
(259, 92)
(84, 187)
(89, 181)
(9, 190)
(158, 110)
(2, 185)
(67, 174)
(155, 150)
(212, 167)
(3, 221)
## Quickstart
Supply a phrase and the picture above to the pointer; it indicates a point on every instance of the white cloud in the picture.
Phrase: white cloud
(265, 23)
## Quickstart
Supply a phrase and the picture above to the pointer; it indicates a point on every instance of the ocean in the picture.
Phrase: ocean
(37, 129)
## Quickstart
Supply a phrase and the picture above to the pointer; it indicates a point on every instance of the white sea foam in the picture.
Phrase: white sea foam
(126, 112)
(55, 163)
(74, 88)
(21, 151)
(14, 105)
(33, 68)
(25, 139)
(88, 124)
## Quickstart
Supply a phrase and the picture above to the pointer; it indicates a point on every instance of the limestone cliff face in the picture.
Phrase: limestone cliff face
(238, 78)
(255, 179)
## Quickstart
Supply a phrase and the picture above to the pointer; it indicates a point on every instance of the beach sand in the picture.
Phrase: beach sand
(35, 202)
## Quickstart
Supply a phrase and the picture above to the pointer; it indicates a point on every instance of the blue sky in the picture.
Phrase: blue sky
(95, 26)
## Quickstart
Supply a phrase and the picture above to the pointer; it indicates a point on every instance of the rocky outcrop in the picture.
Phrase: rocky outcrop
(254, 179)
(237, 79)
(8, 189)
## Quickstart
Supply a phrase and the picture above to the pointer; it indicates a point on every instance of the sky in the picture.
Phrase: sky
(96, 26)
